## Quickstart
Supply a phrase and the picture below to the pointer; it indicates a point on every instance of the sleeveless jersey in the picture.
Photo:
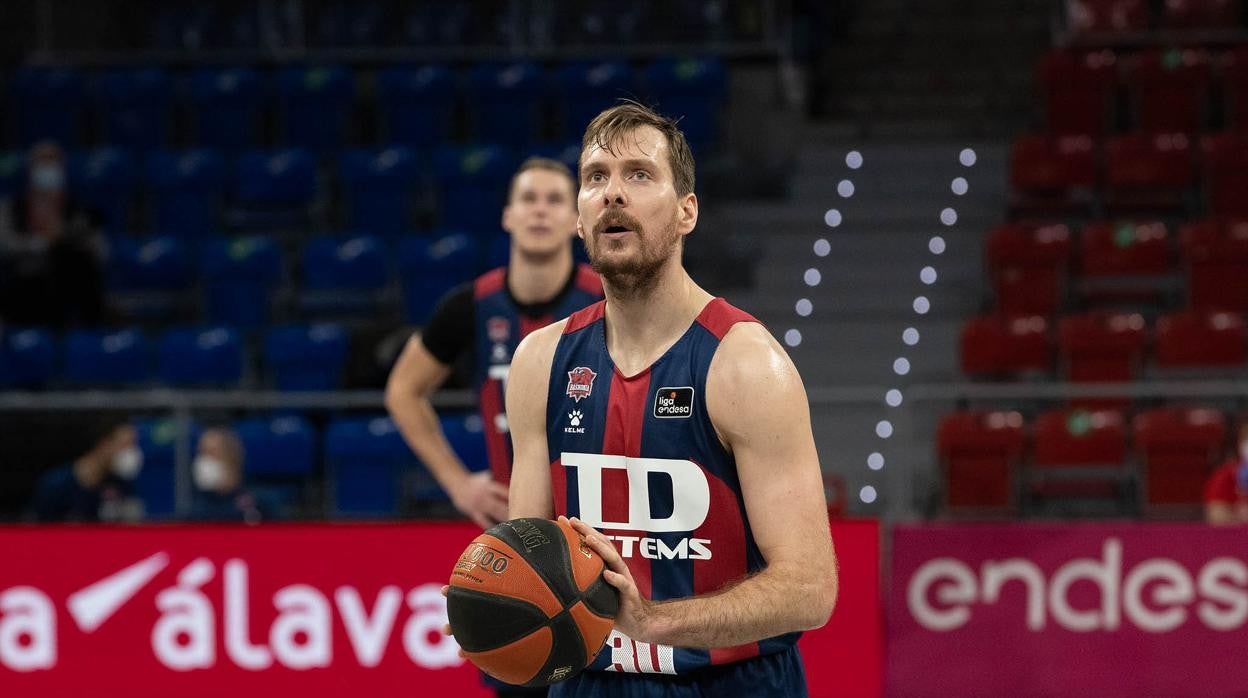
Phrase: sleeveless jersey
(500, 325)
(638, 458)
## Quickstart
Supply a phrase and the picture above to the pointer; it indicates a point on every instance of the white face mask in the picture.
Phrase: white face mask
(208, 473)
(127, 462)
(47, 178)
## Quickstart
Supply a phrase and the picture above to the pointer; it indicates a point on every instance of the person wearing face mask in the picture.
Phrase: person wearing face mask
(1226, 492)
(217, 472)
(50, 250)
(97, 486)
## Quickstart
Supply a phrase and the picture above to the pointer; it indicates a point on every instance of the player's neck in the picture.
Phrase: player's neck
(538, 280)
(642, 327)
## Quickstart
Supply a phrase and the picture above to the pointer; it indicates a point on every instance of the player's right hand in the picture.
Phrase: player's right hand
(481, 499)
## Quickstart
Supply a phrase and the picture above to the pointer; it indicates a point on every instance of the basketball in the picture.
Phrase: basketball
(528, 604)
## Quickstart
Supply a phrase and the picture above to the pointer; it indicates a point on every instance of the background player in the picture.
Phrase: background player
(677, 425)
(486, 319)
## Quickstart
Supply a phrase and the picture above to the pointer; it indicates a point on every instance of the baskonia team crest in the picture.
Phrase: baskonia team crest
(498, 329)
(580, 382)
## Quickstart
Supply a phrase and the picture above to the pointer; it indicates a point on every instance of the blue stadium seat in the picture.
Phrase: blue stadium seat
(211, 356)
(416, 104)
(106, 181)
(568, 153)
(227, 107)
(691, 90)
(316, 106)
(351, 24)
(472, 186)
(506, 101)
(27, 357)
(187, 189)
(378, 186)
(238, 276)
(429, 267)
(156, 482)
(274, 189)
(586, 88)
(344, 274)
(153, 264)
(365, 457)
(464, 432)
(136, 107)
(107, 358)
(47, 103)
(278, 447)
(13, 174)
(306, 357)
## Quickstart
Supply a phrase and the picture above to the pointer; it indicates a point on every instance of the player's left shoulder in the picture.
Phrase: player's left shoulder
(747, 352)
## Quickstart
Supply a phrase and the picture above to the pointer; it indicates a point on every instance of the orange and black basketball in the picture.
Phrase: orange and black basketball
(528, 603)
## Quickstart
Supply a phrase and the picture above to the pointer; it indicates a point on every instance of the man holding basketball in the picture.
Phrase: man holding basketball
(674, 432)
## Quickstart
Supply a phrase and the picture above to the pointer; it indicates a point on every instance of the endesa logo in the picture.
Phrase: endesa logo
(1156, 595)
(184, 636)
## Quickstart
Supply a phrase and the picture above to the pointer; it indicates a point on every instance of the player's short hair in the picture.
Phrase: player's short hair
(609, 127)
(540, 163)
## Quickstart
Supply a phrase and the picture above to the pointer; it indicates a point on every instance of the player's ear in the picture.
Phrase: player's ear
(580, 229)
(506, 217)
(687, 214)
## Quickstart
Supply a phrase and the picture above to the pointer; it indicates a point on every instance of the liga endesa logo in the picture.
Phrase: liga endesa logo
(1157, 595)
(184, 636)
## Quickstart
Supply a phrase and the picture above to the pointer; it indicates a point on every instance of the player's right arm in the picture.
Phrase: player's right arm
(527, 388)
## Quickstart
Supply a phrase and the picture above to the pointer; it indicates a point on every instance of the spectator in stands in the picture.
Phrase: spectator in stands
(485, 320)
(97, 485)
(218, 475)
(1226, 492)
(50, 260)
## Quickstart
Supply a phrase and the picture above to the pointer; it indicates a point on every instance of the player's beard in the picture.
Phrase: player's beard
(633, 275)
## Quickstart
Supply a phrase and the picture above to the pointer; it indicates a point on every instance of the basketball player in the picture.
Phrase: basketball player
(675, 433)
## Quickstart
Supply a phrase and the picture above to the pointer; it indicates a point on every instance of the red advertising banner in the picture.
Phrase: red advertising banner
(281, 610)
(1063, 610)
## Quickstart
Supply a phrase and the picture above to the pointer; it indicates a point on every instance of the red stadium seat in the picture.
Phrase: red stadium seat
(1028, 267)
(1178, 448)
(1200, 339)
(1078, 91)
(1200, 14)
(1123, 261)
(1215, 264)
(995, 345)
(1107, 16)
(1101, 347)
(1170, 89)
(1078, 453)
(1148, 173)
(1226, 173)
(1235, 87)
(1052, 175)
(978, 453)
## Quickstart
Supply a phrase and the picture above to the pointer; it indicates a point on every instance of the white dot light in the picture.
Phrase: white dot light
(867, 495)
(832, 218)
(813, 277)
(922, 305)
(853, 159)
(884, 429)
(822, 247)
(792, 338)
(845, 188)
(948, 216)
(893, 397)
(927, 275)
(967, 157)
(910, 336)
(936, 245)
(804, 307)
(901, 366)
(960, 186)
(875, 461)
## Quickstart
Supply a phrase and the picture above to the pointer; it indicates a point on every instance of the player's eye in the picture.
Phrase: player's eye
(641, 174)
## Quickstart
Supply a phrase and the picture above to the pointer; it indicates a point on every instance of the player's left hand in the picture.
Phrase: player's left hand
(637, 617)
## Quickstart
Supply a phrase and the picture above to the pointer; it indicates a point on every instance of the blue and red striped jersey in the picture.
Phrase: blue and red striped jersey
(500, 325)
(638, 458)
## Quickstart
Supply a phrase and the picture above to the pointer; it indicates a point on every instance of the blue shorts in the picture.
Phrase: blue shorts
(772, 676)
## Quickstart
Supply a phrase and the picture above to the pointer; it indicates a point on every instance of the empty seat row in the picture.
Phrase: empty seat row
(1171, 90)
(1090, 19)
(1031, 267)
(993, 461)
(316, 107)
(1158, 173)
(367, 466)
